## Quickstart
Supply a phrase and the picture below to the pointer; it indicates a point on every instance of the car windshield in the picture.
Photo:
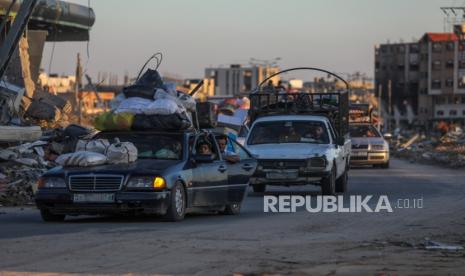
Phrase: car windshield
(149, 145)
(363, 131)
(288, 132)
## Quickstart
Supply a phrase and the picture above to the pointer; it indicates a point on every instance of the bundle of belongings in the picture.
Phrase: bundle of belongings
(149, 104)
(99, 152)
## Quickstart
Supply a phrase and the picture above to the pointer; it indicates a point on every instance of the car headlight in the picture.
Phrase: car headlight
(146, 182)
(51, 182)
(316, 163)
(378, 147)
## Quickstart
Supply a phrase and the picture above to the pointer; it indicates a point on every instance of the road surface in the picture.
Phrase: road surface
(255, 242)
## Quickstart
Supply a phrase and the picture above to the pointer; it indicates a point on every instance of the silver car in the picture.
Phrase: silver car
(368, 146)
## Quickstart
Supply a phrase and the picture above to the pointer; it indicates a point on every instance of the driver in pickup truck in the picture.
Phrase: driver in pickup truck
(319, 134)
(225, 153)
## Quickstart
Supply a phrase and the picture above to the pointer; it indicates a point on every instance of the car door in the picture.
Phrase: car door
(209, 180)
(239, 173)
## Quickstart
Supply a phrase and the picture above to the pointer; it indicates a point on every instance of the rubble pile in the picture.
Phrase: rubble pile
(447, 150)
(21, 164)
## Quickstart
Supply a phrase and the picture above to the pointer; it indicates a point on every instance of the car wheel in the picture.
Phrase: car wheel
(177, 209)
(328, 184)
(50, 217)
(260, 188)
(385, 165)
(341, 182)
(232, 209)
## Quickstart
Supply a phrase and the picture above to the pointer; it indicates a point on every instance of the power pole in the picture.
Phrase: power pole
(389, 107)
(77, 87)
(380, 91)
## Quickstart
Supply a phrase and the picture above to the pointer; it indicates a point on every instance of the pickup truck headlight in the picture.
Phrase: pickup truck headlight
(146, 182)
(51, 182)
(379, 147)
(316, 163)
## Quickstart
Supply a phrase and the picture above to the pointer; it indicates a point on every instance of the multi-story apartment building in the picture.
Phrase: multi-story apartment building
(428, 75)
(398, 64)
(238, 80)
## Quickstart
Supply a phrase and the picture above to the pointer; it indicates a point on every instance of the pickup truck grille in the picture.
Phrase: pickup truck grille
(282, 164)
(354, 146)
(92, 183)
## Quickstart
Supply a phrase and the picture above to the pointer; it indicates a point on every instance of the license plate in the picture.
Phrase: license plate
(359, 153)
(282, 175)
(95, 198)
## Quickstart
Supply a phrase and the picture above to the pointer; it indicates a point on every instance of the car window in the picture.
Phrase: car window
(239, 150)
(149, 145)
(363, 131)
(332, 132)
(277, 132)
(206, 144)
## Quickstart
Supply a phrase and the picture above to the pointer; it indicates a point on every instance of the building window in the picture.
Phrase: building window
(440, 113)
(437, 47)
(437, 65)
(450, 46)
(450, 63)
(401, 49)
(453, 112)
(463, 112)
(436, 84)
(449, 82)
(414, 48)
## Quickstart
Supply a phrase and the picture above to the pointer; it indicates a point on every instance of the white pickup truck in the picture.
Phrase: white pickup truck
(300, 139)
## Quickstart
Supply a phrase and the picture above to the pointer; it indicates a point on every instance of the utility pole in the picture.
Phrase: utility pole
(380, 91)
(389, 107)
(77, 87)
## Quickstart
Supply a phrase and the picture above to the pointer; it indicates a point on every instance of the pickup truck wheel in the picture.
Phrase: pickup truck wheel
(385, 165)
(232, 209)
(50, 217)
(328, 184)
(341, 182)
(177, 209)
(260, 188)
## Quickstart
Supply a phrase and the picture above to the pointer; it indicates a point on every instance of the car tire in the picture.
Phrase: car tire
(177, 209)
(260, 188)
(328, 184)
(50, 217)
(341, 182)
(232, 209)
(385, 165)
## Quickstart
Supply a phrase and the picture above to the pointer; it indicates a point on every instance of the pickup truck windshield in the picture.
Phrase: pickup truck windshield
(149, 145)
(363, 131)
(288, 132)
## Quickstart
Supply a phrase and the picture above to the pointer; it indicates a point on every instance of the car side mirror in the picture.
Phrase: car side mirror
(387, 136)
(202, 158)
(340, 140)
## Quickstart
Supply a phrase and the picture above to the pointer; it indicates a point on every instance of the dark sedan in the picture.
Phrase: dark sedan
(169, 178)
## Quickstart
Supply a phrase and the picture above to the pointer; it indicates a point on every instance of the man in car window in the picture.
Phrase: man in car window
(319, 134)
(226, 154)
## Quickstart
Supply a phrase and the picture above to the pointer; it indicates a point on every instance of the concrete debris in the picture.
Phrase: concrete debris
(21, 165)
(446, 148)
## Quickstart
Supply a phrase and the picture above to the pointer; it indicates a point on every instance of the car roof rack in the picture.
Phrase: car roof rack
(269, 101)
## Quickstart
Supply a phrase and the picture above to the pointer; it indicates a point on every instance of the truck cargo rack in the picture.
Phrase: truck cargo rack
(333, 105)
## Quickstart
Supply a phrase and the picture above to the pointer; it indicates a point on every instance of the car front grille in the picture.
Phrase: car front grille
(359, 158)
(282, 164)
(356, 146)
(92, 183)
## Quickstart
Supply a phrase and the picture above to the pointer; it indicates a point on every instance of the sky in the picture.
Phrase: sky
(338, 35)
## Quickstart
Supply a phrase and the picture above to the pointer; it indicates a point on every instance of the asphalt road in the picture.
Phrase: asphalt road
(255, 242)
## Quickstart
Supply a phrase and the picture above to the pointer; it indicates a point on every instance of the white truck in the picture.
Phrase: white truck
(299, 139)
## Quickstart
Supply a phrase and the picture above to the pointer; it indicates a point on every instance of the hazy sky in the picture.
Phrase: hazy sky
(338, 35)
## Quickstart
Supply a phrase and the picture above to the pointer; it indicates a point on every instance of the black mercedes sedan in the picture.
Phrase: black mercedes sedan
(171, 177)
